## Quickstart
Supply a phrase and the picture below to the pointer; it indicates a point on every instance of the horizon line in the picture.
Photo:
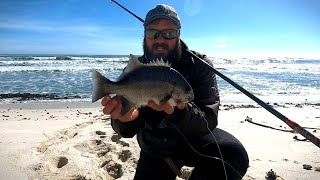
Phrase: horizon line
(212, 56)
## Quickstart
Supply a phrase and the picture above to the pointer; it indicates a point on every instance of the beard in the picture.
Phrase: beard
(172, 56)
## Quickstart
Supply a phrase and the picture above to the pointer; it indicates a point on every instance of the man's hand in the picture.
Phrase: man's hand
(113, 106)
(165, 107)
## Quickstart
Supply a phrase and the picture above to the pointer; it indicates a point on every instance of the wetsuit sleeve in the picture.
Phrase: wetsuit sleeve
(199, 117)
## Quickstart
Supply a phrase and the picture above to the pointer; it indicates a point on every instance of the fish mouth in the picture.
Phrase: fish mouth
(184, 99)
(189, 98)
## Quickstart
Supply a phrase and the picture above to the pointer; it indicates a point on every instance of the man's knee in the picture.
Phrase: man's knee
(227, 154)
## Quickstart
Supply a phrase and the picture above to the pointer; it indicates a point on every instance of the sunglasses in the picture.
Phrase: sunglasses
(167, 34)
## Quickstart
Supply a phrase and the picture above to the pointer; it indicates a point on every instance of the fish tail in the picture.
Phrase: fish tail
(99, 86)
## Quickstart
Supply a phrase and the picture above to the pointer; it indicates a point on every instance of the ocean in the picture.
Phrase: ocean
(68, 77)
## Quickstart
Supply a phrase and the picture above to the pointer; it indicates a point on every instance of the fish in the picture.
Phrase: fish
(139, 83)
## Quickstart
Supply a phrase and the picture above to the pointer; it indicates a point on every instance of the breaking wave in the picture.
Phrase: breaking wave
(69, 76)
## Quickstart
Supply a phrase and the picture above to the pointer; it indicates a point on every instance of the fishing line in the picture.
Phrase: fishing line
(215, 139)
(204, 155)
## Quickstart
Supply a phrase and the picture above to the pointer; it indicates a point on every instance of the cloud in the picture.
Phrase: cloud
(79, 29)
(48, 27)
(48, 37)
(55, 45)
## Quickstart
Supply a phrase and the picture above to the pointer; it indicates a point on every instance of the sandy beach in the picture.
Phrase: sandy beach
(74, 140)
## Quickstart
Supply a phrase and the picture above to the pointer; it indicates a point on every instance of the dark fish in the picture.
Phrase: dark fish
(140, 83)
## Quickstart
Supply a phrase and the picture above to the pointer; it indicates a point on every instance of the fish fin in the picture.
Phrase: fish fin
(133, 64)
(159, 62)
(126, 106)
(98, 83)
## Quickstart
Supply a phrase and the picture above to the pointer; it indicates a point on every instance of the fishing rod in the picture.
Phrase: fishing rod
(293, 125)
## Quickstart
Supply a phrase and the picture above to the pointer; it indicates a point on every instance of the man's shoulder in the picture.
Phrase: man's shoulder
(199, 54)
(202, 56)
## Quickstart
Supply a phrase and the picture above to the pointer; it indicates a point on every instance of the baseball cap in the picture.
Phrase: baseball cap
(162, 11)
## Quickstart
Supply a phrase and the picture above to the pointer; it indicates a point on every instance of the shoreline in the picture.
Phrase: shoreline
(73, 139)
(51, 104)
(86, 102)
(225, 99)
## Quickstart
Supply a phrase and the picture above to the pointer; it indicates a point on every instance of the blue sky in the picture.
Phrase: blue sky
(213, 27)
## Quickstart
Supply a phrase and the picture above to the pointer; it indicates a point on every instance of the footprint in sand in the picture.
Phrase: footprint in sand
(73, 131)
(101, 134)
(110, 157)
(124, 155)
(94, 143)
(103, 153)
(95, 146)
(57, 163)
(114, 169)
(116, 138)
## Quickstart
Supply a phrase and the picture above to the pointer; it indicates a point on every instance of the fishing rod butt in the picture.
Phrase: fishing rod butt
(299, 129)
